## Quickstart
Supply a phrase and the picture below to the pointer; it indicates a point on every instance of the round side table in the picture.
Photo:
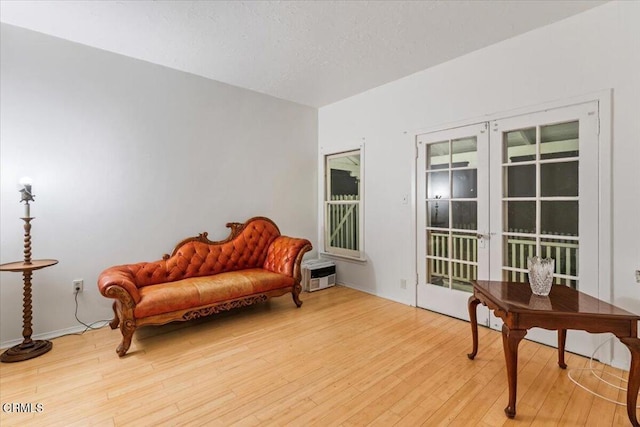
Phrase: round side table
(29, 348)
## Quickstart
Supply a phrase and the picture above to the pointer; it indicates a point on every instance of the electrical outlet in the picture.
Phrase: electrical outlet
(78, 286)
(403, 283)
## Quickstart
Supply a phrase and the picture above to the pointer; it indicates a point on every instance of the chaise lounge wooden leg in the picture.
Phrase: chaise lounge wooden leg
(127, 328)
(295, 293)
(116, 320)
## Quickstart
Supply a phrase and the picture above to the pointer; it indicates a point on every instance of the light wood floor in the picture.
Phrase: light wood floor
(345, 358)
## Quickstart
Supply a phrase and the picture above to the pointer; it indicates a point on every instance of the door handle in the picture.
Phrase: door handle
(482, 239)
(486, 236)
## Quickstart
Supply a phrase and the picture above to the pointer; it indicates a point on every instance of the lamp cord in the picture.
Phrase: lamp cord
(87, 327)
(595, 374)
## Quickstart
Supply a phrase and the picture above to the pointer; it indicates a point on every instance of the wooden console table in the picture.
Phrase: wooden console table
(563, 309)
(29, 348)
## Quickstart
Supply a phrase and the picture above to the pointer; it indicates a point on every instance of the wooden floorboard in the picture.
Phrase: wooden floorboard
(346, 358)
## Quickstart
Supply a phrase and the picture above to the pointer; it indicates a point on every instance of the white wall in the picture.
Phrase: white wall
(127, 159)
(593, 51)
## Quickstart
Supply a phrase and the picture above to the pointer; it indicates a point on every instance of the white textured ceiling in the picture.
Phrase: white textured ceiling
(309, 52)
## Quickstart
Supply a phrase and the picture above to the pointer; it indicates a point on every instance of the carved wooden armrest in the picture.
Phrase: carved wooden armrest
(119, 283)
(285, 255)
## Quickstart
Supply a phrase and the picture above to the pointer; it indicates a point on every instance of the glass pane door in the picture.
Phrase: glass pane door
(453, 217)
(545, 202)
(540, 199)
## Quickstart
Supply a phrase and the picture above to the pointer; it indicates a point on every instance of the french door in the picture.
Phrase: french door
(453, 218)
(535, 192)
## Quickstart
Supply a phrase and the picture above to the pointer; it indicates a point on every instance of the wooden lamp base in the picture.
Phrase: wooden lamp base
(26, 351)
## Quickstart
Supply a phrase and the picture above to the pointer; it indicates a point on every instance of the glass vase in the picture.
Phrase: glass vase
(540, 274)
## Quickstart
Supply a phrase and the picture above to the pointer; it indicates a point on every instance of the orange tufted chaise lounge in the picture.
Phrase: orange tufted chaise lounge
(202, 277)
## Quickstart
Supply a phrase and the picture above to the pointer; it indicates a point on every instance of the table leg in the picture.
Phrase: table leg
(473, 318)
(634, 379)
(510, 341)
(562, 339)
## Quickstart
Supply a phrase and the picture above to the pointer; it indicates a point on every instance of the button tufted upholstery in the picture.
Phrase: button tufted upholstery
(196, 259)
(255, 260)
(282, 253)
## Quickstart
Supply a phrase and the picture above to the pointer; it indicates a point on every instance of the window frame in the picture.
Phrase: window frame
(353, 254)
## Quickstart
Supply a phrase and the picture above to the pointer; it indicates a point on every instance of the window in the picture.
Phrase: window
(343, 205)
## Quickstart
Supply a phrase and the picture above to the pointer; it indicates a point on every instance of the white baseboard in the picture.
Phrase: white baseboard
(370, 292)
